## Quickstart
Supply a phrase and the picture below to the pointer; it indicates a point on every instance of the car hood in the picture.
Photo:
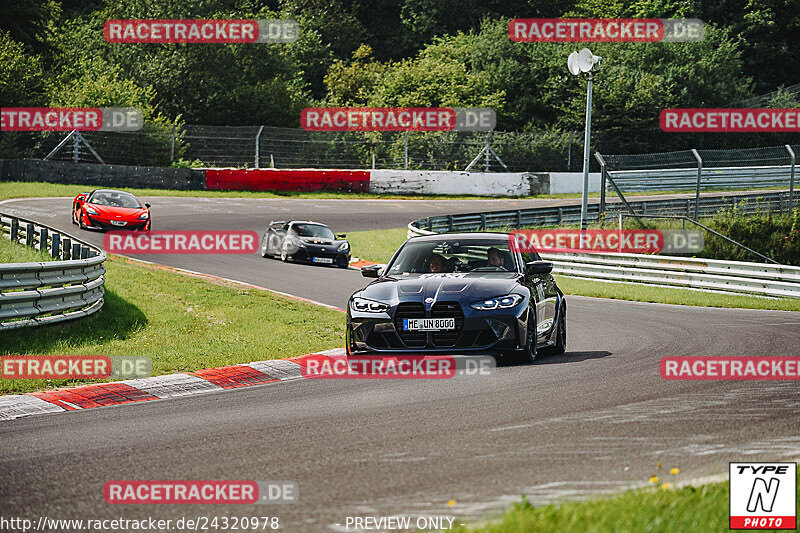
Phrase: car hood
(460, 286)
(108, 211)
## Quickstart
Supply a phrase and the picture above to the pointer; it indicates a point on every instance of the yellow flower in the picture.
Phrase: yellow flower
(451, 503)
(665, 486)
(654, 479)
(675, 471)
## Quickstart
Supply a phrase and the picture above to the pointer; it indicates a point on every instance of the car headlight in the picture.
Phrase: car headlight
(501, 302)
(144, 216)
(91, 211)
(368, 306)
(344, 246)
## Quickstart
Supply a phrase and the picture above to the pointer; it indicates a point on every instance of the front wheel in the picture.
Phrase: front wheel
(527, 354)
(561, 334)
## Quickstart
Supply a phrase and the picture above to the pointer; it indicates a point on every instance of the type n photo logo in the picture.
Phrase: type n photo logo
(763, 495)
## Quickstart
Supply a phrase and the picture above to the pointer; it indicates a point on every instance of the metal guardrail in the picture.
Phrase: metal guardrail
(556, 216)
(674, 179)
(665, 271)
(47, 292)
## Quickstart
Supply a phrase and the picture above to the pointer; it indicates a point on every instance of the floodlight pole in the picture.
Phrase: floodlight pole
(586, 138)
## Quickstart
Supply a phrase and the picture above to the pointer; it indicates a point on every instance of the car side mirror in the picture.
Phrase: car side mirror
(538, 267)
(146, 204)
(371, 271)
(341, 236)
(81, 197)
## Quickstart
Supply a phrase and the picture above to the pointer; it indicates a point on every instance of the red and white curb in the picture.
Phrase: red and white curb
(158, 387)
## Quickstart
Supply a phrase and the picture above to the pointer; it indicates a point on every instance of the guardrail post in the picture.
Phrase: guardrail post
(84, 252)
(483, 221)
(67, 247)
(258, 138)
(56, 246)
(14, 229)
(43, 239)
(76, 250)
(428, 224)
(603, 175)
(29, 235)
(560, 215)
(519, 218)
(791, 179)
(699, 177)
(449, 222)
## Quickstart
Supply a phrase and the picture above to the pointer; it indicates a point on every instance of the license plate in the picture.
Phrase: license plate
(326, 260)
(428, 324)
(118, 222)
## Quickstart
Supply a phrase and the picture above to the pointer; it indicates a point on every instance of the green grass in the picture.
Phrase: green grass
(688, 509)
(25, 189)
(19, 253)
(654, 509)
(184, 323)
(379, 245)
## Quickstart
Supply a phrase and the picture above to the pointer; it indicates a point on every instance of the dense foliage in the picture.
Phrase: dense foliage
(405, 52)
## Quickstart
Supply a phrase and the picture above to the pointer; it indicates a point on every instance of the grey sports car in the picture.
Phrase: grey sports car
(304, 241)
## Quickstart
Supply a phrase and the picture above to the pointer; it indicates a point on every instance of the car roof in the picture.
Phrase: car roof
(471, 236)
(113, 190)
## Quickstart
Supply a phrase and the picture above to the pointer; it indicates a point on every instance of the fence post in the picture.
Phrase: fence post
(67, 246)
(602, 162)
(43, 239)
(29, 236)
(791, 179)
(699, 177)
(14, 229)
(405, 149)
(258, 137)
(56, 246)
(76, 145)
(172, 146)
(76, 250)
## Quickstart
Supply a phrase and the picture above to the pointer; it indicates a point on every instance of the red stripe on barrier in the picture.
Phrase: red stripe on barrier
(222, 179)
(91, 396)
(232, 377)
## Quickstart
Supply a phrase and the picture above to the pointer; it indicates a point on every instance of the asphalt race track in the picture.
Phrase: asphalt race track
(597, 419)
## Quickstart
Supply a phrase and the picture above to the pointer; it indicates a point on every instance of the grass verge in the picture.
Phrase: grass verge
(182, 322)
(11, 252)
(379, 245)
(26, 189)
(688, 509)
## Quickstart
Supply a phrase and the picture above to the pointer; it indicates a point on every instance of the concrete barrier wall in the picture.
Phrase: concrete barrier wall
(116, 176)
(375, 181)
(268, 179)
(572, 182)
(445, 182)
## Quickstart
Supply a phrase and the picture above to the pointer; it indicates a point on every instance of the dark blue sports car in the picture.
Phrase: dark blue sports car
(466, 293)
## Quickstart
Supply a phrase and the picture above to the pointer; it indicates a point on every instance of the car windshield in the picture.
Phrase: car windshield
(453, 255)
(114, 199)
(313, 230)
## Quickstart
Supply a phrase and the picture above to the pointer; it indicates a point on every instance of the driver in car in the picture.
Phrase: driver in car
(439, 264)
(495, 258)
